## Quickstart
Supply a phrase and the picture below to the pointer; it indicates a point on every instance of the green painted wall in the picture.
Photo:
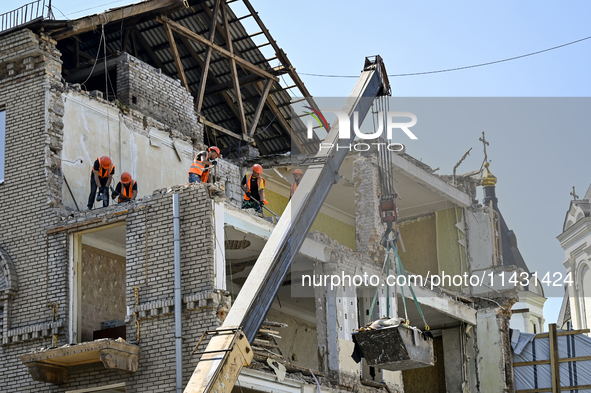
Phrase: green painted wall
(451, 259)
(335, 229)
(420, 242)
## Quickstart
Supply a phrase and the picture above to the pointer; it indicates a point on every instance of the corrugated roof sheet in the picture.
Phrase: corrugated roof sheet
(271, 136)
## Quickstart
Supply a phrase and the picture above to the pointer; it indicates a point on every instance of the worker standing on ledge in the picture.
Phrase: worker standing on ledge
(297, 178)
(253, 186)
(126, 189)
(203, 161)
(100, 177)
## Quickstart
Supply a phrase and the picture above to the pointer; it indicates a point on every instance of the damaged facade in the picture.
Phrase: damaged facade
(87, 298)
(574, 239)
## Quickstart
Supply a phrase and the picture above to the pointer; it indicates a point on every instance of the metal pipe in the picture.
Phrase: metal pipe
(178, 302)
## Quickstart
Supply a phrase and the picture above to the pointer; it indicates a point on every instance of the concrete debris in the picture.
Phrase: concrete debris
(278, 368)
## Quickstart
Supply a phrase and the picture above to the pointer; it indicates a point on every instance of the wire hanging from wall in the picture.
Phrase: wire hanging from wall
(104, 39)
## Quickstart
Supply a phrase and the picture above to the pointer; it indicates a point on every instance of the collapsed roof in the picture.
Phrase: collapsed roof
(241, 101)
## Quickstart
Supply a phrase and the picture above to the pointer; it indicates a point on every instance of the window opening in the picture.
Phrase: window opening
(99, 302)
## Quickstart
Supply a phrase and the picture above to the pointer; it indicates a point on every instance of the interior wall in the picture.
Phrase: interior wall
(427, 379)
(449, 254)
(94, 129)
(335, 229)
(299, 342)
(420, 241)
(102, 289)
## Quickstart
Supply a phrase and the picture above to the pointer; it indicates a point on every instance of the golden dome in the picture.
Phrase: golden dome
(488, 180)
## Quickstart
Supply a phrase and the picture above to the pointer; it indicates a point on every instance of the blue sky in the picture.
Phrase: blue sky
(536, 170)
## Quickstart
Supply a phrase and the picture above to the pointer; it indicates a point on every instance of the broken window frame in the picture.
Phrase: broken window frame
(75, 279)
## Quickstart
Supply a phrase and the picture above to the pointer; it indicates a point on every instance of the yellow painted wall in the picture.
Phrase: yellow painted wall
(451, 259)
(335, 229)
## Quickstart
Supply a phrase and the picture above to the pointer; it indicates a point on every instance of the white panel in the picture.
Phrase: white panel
(220, 258)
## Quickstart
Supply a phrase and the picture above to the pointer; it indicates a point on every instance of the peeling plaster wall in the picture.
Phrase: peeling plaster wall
(490, 363)
(420, 241)
(94, 128)
(298, 343)
(337, 316)
(450, 254)
(369, 228)
(480, 245)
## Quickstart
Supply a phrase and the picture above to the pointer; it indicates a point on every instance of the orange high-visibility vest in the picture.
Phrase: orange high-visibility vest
(127, 192)
(104, 173)
(294, 187)
(259, 182)
(198, 168)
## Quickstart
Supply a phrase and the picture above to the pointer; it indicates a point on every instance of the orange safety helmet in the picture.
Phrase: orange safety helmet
(105, 162)
(214, 148)
(125, 178)
(297, 172)
(257, 169)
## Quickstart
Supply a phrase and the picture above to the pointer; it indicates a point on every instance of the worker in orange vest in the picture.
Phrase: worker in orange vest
(100, 177)
(126, 189)
(202, 163)
(253, 186)
(297, 178)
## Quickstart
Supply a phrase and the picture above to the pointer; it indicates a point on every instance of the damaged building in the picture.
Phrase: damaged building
(94, 300)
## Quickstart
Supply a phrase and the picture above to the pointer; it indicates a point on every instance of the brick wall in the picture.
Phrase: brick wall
(231, 176)
(367, 218)
(30, 73)
(30, 201)
(144, 88)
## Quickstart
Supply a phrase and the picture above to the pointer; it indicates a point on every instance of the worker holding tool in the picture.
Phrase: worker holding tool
(253, 186)
(126, 189)
(100, 177)
(202, 163)
(297, 178)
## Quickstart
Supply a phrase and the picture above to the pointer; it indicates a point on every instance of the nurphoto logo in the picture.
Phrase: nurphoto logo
(344, 125)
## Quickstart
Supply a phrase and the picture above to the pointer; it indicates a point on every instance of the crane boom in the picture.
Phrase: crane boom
(226, 354)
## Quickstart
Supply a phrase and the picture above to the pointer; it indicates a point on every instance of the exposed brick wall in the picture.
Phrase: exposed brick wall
(26, 215)
(156, 361)
(230, 175)
(367, 218)
(144, 88)
(30, 91)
